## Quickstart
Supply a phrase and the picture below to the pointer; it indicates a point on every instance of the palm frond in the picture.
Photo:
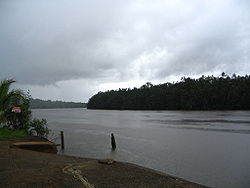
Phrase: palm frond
(5, 95)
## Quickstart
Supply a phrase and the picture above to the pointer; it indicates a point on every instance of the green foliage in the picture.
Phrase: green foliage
(7, 133)
(19, 121)
(13, 98)
(205, 93)
(38, 127)
(6, 97)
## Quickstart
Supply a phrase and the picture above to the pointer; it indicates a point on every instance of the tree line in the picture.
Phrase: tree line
(205, 93)
(38, 103)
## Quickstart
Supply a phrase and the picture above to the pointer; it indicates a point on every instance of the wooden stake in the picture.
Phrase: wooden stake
(113, 144)
(62, 140)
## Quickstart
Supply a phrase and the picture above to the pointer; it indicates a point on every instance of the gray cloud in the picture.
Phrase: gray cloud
(48, 43)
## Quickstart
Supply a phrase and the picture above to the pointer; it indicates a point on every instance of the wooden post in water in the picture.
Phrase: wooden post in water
(62, 140)
(113, 144)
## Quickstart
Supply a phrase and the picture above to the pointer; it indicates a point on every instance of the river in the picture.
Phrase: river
(207, 147)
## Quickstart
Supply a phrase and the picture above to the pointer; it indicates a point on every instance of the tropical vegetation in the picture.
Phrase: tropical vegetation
(18, 120)
(205, 93)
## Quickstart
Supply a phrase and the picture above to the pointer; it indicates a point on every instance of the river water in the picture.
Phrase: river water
(207, 147)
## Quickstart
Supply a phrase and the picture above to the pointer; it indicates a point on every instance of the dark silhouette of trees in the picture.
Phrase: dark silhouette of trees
(204, 93)
(38, 103)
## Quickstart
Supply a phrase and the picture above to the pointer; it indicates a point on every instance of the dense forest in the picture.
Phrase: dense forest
(38, 103)
(205, 93)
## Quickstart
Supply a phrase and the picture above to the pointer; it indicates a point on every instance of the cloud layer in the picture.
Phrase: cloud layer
(52, 43)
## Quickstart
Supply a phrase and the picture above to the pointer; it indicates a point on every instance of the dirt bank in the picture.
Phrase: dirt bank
(24, 168)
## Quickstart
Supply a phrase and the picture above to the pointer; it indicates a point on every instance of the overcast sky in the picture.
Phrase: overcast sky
(71, 49)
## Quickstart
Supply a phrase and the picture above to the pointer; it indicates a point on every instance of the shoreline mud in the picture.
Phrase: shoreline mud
(27, 168)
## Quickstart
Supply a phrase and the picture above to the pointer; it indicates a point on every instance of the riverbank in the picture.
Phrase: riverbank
(26, 168)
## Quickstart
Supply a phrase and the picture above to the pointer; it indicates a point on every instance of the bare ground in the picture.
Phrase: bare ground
(21, 168)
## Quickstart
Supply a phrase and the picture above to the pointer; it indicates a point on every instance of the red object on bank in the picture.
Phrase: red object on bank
(16, 109)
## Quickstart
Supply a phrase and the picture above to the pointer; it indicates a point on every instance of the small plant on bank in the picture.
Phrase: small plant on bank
(38, 127)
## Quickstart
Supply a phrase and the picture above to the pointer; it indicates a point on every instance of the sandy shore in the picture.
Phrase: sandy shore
(20, 168)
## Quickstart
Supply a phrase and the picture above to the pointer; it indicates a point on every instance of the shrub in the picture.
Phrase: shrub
(21, 120)
(38, 127)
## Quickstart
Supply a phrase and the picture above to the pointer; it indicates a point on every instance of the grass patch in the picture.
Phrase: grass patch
(6, 133)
